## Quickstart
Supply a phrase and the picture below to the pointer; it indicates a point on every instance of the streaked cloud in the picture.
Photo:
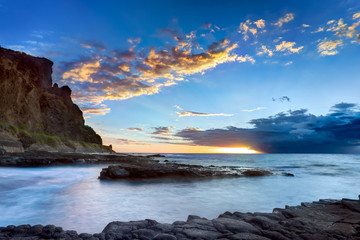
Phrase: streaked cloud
(320, 29)
(124, 141)
(328, 47)
(288, 47)
(253, 110)
(93, 44)
(135, 129)
(287, 18)
(162, 130)
(183, 113)
(305, 25)
(281, 99)
(103, 110)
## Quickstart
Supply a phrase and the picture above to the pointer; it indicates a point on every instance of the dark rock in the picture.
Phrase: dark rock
(324, 219)
(30, 102)
(256, 173)
(155, 155)
(164, 236)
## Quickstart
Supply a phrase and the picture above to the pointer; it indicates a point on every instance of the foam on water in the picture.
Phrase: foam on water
(73, 197)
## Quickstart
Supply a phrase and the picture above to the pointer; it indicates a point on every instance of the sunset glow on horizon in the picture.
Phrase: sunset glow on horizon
(202, 77)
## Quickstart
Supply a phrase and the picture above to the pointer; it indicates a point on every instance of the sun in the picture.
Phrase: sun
(237, 150)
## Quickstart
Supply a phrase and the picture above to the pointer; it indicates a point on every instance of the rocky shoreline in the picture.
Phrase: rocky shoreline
(324, 219)
(130, 167)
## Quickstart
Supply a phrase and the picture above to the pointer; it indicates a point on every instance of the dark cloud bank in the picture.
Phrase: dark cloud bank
(290, 132)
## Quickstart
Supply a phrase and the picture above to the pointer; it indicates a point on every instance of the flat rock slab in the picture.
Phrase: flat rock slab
(321, 220)
(153, 170)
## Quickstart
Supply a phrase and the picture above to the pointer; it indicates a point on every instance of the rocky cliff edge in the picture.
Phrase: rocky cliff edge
(36, 114)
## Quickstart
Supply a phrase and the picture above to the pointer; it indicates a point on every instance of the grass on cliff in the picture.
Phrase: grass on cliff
(28, 138)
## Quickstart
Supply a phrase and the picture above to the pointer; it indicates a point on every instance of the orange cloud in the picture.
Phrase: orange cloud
(287, 18)
(288, 47)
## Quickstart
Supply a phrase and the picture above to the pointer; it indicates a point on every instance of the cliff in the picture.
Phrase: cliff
(33, 110)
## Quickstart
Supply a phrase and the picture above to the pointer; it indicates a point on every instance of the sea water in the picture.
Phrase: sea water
(74, 198)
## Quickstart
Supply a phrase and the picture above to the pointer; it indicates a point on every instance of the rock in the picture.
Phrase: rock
(155, 155)
(256, 173)
(324, 219)
(164, 236)
(152, 169)
(30, 103)
(234, 225)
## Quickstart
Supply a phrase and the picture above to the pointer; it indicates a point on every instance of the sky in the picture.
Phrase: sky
(202, 76)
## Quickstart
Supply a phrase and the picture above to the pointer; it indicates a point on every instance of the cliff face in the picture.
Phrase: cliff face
(30, 101)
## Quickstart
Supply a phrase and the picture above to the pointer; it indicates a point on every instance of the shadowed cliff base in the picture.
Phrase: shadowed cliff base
(36, 114)
(325, 219)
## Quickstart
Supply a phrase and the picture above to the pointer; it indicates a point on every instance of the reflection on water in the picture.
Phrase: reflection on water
(73, 197)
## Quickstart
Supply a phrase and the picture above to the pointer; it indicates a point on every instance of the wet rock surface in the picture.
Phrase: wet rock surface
(324, 219)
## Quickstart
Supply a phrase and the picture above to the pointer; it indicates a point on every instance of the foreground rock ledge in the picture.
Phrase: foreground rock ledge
(325, 219)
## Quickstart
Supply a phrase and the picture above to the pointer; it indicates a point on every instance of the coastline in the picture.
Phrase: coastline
(323, 219)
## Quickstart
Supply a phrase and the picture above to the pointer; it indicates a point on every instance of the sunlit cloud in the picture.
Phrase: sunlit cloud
(260, 23)
(328, 47)
(287, 18)
(96, 111)
(92, 44)
(356, 16)
(305, 25)
(288, 47)
(320, 29)
(245, 58)
(264, 50)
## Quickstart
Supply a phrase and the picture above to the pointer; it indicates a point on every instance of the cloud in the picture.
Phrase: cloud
(342, 29)
(123, 141)
(288, 63)
(93, 44)
(245, 58)
(246, 27)
(162, 130)
(254, 109)
(288, 47)
(287, 18)
(320, 29)
(135, 129)
(260, 23)
(282, 99)
(356, 16)
(183, 113)
(103, 110)
(289, 132)
(305, 25)
(328, 47)
(264, 50)
(123, 74)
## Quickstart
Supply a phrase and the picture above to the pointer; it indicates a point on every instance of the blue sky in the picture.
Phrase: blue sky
(145, 72)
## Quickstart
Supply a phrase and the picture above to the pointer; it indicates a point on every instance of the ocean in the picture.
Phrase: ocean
(73, 197)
